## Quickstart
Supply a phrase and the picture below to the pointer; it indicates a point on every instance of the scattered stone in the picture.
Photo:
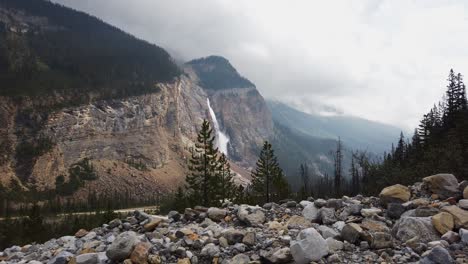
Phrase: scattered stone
(465, 193)
(308, 246)
(298, 222)
(327, 215)
(240, 259)
(327, 232)
(395, 210)
(81, 233)
(395, 194)
(370, 212)
(282, 255)
(438, 255)
(311, 212)
(463, 204)
(351, 232)
(174, 215)
(216, 214)
(451, 237)
(122, 246)
(463, 235)
(320, 203)
(443, 222)
(89, 258)
(460, 216)
(210, 250)
(140, 253)
(334, 245)
(153, 224)
(250, 239)
(251, 215)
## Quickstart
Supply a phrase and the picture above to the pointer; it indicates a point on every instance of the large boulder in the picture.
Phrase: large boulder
(410, 227)
(122, 246)
(444, 185)
(443, 222)
(460, 216)
(251, 215)
(395, 194)
(310, 212)
(308, 246)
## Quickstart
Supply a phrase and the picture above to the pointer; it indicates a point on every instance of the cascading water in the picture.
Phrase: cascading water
(222, 139)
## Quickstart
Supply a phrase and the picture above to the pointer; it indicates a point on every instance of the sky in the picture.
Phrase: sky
(384, 60)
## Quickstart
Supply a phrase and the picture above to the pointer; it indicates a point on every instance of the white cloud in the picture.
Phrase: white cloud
(384, 60)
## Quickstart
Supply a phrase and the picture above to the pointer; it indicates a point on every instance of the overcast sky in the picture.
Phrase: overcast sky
(382, 60)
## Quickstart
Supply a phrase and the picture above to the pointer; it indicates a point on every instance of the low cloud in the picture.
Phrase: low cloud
(382, 60)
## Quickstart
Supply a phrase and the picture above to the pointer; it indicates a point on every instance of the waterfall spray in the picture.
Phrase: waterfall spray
(221, 138)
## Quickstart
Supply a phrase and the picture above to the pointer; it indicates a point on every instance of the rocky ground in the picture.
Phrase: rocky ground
(423, 223)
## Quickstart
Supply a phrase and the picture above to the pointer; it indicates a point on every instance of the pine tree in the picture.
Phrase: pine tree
(305, 189)
(227, 187)
(201, 182)
(268, 176)
(338, 159)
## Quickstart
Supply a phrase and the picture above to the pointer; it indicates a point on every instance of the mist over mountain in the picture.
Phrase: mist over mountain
(357, 133)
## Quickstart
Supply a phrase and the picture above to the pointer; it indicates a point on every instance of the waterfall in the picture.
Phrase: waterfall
(221, 138)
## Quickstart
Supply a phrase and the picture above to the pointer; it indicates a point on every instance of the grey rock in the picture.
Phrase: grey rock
(210, 250)
(310, 212)
(409, 227)
(451, 237)
(62, 258)
(174, 215)
(251, 215)
(395, 210)
(463, 204)
(240, 259)
(320, 203)
(282, 255)
(335, 203)
(233, 236)
(308, 246)
(463, 233)
(438, 255)
(327, 215)
(334, 245)
(327, 232)
(351, 232)
(250, 239)
(216, 214)
(122, 246)
(89, 258)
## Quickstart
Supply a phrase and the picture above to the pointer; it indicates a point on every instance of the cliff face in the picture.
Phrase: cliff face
(141, 141)
(246, 119)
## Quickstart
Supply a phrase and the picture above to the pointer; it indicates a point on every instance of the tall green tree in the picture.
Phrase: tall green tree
(338, 159)
(268, 178)
(202, 179)
(226, 187)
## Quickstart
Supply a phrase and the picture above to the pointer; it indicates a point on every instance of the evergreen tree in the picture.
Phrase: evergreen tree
(268, 177)
(227, 187)
(338, 159)
(305, 179)
(202, 179)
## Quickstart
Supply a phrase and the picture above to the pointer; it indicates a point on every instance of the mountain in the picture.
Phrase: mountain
(47, 49)
(86, 109)
(216, 73)
(355, 132)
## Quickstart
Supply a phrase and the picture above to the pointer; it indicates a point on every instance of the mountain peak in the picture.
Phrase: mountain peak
(217, 73)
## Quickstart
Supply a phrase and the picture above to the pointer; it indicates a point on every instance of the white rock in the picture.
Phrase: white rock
(310, 212)
(308, 246)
